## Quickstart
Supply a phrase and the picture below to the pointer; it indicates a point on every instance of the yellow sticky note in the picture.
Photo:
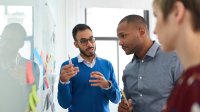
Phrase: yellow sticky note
(31, 103)
(34, 95)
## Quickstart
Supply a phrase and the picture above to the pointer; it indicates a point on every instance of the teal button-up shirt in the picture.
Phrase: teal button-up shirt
(148, 82)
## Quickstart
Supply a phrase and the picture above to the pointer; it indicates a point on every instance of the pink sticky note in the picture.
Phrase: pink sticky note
(46, 82)
(29, 73)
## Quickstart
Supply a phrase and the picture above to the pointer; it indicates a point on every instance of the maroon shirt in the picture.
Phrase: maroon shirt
(186, 94)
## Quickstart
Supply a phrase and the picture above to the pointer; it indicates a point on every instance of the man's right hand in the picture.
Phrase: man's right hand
(124, 107)
(67, 72)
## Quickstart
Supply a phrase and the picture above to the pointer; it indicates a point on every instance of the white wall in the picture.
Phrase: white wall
(70, 12)
(16, 2)
(75, 10)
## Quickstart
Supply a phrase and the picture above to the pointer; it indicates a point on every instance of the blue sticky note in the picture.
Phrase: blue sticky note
(37, 56)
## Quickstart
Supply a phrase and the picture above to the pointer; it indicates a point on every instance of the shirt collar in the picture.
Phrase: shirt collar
(150, 53)
(80, 59)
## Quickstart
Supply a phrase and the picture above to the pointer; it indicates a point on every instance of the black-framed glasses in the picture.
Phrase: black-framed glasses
(84, 41)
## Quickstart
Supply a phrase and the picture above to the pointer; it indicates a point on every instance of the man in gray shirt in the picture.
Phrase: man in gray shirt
(150, 76)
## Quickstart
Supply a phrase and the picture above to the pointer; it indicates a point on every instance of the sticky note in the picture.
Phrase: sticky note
(42, 56)
(43, 61)
(31, 103)
(46, 82)
(29, 73)
(37, 56)
(35, 97)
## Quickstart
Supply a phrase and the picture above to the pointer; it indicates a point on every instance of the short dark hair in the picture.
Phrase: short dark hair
(79, 27)
(136, 19)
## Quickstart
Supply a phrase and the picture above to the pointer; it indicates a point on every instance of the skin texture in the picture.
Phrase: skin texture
(166, 30)
(123, 107)
(133, 38)
(128, 38)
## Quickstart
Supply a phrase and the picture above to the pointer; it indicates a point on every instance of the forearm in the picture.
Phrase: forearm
(64, 95)
(113, 93)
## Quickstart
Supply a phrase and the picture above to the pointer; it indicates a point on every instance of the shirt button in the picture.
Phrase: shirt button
(142, 61)
(140, 94)
(140, 77)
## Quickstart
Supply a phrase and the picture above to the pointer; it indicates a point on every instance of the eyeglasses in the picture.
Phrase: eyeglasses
(84, 41)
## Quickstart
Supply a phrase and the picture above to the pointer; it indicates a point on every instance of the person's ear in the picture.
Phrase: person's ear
(142, 31)
(76, 44)
(179, 11)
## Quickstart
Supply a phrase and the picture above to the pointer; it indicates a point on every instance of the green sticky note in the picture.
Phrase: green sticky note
(34, 94)
(31, 103)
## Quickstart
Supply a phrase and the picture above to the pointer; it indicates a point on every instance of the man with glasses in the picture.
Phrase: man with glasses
(87, 82)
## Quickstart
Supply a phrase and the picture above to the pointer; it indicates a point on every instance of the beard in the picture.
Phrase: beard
(88, 55)
(127, 50)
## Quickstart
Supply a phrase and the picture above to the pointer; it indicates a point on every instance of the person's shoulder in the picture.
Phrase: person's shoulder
(169, 58)
(171, 54)
(25, 60)
(102, 59)
(192, 78)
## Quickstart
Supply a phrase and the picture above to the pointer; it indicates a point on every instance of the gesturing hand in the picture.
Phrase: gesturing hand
(99, 80)
(67, 72)
(123, 107)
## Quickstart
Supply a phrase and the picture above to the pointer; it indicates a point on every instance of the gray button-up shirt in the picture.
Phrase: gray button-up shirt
(148, 82)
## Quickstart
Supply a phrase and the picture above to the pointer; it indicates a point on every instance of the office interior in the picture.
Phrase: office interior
(49, 24)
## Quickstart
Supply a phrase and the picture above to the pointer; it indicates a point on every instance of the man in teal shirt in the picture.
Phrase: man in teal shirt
(151, 74)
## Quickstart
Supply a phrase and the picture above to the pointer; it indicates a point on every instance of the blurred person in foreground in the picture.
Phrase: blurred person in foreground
(178, 28)
(13, 70)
